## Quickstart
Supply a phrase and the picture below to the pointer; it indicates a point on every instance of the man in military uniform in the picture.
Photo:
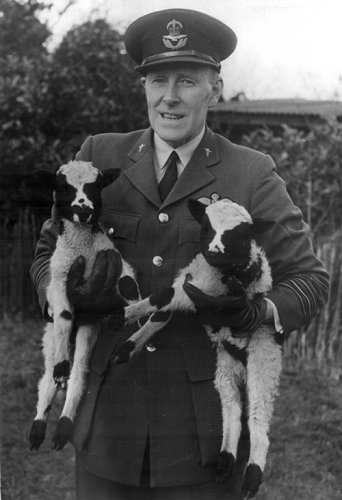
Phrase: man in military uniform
(152, 428)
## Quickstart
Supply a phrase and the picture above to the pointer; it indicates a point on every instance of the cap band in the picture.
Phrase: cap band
(178, 53)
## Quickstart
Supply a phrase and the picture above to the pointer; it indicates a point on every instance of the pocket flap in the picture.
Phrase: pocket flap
(122, 225)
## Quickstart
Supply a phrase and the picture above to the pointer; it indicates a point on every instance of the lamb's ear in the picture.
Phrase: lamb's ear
(109, 175)
(45, 177)
(261, 226)
(196, 208)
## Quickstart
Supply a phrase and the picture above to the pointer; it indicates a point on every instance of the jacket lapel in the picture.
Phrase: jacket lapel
(141, 173)
(196, 174)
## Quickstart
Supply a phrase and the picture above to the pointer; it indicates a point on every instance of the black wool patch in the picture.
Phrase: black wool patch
(238, 354)
(161, 316)
(66, 315)
(162, 298)
(37, 434)
(128, 288)
(62, 434)
(225, 467)
(122, 352)
(252, 480)
(64, 196)
(61, 370)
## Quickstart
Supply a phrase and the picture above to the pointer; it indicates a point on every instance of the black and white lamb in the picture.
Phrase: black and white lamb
(229, 249)
(77, 187)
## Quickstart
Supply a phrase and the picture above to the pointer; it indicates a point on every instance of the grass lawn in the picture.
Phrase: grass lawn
(305, 458)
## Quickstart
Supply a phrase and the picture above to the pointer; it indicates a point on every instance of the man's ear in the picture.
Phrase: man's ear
(216, 92)
(196, 208)
(46, 178)
(143, 81)
(109, 175)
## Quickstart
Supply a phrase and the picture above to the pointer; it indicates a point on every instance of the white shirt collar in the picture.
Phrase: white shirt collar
(163, 150)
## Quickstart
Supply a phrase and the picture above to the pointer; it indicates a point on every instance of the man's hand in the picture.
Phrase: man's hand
(235, 310)
(96, 296)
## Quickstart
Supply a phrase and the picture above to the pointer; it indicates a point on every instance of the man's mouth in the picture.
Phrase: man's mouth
(171, 116)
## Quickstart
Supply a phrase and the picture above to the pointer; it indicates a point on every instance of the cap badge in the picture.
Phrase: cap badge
(174, 40)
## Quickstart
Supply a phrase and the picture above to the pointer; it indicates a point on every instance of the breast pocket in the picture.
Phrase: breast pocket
(120, 225)
(189, 231)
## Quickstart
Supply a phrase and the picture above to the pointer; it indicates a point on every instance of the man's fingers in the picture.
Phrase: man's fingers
(113, 270)
(234, 286)
(98, 275)
(75, 273)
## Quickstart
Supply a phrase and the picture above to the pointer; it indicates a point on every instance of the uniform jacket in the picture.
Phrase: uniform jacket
(168, 394)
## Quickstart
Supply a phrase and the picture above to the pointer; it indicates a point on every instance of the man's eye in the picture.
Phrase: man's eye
(158, 81)
(187, 82)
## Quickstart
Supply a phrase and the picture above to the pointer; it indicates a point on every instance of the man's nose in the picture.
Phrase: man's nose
(171, 95)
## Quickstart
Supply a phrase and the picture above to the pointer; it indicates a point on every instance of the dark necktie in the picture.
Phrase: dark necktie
(170, 176)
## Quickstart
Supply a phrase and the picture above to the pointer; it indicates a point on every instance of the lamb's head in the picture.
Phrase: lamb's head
(77, 190)
(228, 233)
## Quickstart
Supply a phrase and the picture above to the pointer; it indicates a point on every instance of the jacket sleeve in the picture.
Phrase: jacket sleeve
(300, 281)
(40, 269)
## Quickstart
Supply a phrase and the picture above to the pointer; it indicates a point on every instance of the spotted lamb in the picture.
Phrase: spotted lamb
(229, 250)
(78, 187)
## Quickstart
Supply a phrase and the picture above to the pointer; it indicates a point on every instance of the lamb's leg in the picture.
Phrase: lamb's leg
(161, 304)
(62, 318)
(229, 374)
(135, 342)
(151, 304)
(85, 341)
(46, 391)
(263, 375)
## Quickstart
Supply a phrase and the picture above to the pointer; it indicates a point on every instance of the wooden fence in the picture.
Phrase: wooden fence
(320, 344)
(17, 247)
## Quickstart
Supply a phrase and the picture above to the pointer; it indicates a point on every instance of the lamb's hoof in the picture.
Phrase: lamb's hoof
(115, 320)
(122, 353)
(61, 373)
(225, 467)
(252, 481)
(37, 434)
(62, 433)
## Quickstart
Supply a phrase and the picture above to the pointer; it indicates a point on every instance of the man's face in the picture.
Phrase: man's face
(178, 99)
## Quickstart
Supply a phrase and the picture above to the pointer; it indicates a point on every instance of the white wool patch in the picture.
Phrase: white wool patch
(77, 174)
(225, 215)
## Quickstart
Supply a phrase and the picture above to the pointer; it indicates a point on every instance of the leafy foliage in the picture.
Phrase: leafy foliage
(49, 103)
(93, 86)
(21, 32)
(311, 165)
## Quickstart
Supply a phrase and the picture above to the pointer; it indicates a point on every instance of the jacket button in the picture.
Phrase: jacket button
(163, 217)
(157, 261)
(111, 231)
(151, 348)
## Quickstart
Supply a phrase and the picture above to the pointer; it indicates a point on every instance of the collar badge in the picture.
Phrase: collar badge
(207, 151)
(174, 40)
(141, 147)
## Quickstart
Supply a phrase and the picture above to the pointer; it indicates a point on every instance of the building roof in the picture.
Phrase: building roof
(302, 107)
